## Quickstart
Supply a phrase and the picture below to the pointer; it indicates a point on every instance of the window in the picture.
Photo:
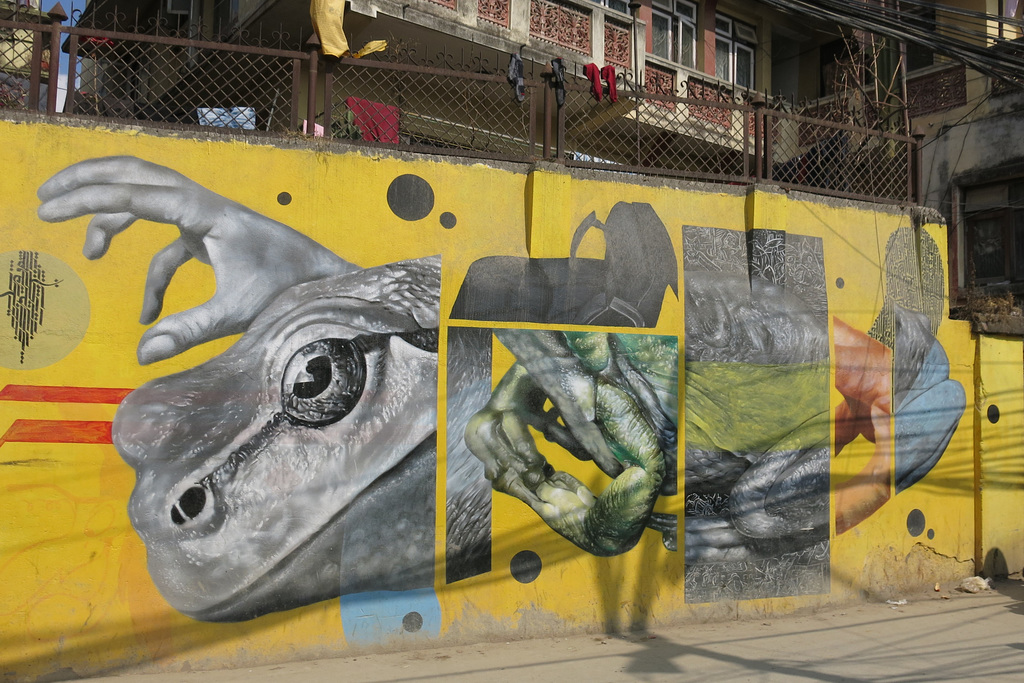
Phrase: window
(734, 51)
(921, 17)
(225, 16)
(1011, 9)
(994, 217)
(617, 5)
(674, 31)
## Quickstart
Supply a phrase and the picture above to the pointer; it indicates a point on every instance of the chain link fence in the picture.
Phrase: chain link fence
(657, 134)
(173, 80)
(433, 110)
(458, 105)
(838, 159)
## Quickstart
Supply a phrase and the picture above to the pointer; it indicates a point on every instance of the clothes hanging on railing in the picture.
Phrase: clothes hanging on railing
(376, 121)
(594, 75)
(515, 76)
(608, 74)
(328, 17)
(558, 70)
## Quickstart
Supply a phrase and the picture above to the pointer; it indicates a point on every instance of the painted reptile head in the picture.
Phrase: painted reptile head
(247, 464)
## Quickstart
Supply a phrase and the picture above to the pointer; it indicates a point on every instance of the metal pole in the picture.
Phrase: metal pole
(37, 70)
(53, 70)
(759, 103)
(634, 10)
(293, 123)
(549, 98)
(314, 52)
(328, 95)
(72, 85)
(916, 180)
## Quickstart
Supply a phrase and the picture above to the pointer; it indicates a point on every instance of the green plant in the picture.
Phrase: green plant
(346, 128)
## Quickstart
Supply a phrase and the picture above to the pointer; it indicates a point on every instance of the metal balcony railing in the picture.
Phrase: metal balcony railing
(453, 106)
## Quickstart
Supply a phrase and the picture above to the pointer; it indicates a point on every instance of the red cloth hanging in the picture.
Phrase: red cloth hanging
(374, 120)
(594, 74)
(608, 74)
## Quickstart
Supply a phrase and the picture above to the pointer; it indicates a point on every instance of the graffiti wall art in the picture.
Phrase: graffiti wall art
(264, 403)
(258, 471)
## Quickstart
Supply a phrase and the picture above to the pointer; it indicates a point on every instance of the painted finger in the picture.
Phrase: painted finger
(567, 384)
(101, 230)
(521, 441)
(181, 331)
(159, 204)
(558, 434)
(516, 488)
(109, 171)
(161, 270)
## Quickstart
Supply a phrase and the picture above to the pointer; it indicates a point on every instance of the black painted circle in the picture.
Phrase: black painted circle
(915, 522)
(410, 197)
(284, 199)
(525, 566)
(412, 622)
(840, 282)
(448, 220)
(931, 534)
(993, 414)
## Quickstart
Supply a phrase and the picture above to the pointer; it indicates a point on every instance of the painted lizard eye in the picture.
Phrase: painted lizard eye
(323, 381)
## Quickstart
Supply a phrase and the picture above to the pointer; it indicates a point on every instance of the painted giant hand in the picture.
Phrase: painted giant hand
(258, 470)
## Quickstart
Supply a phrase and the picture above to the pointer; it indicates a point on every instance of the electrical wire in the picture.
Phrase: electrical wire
(886, 21)
(983, 17)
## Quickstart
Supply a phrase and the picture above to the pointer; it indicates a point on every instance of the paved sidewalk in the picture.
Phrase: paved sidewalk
(964, 637)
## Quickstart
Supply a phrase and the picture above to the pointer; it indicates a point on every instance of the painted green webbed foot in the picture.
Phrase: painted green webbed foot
(592, 403)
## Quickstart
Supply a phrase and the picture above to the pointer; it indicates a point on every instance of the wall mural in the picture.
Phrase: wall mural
(300, 464)
(897, 370)
(757, 415)
(261, 472)
(46, 308)
(613, 401)
(625, 288)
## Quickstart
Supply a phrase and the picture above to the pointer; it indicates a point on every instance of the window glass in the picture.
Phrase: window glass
(988, 248)
(661, 35)
(994, 231)
(673, 31)
(734, 51)
(1016, 195)
(919, 16)
(1018, 244)
(617, 5)
(744, 66)
(686, 35)
(723, 61)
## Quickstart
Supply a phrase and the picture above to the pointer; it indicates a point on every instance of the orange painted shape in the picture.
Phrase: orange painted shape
(58, 431)
(40, 394)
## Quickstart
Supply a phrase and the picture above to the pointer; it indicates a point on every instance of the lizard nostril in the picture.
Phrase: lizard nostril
(189, 505)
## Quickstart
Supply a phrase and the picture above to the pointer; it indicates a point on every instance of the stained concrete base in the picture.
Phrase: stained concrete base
(936, 636)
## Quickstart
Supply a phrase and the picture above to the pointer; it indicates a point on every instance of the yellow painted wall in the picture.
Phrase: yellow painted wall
(1000, 433)
(77, 595)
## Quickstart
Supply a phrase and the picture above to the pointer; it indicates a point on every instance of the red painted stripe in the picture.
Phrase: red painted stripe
(58, 431)
(38, 394)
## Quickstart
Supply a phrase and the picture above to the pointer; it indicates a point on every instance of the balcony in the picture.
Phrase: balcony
(455, 104)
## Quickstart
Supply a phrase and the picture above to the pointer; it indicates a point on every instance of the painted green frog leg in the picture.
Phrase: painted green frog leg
(608, 524)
